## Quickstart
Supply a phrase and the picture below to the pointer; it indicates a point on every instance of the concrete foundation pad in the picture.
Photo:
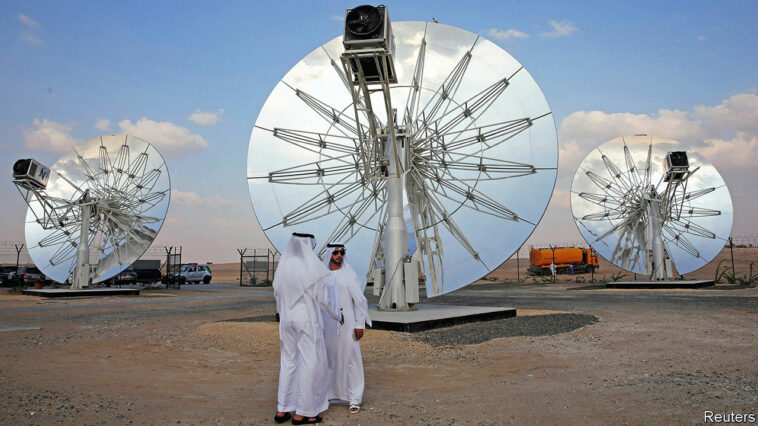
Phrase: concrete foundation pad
(661, 284)
(67, 292)
(427, 317)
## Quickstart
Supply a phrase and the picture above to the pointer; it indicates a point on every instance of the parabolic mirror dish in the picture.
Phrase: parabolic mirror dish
(607, 201)
(479, 132)
(129, 186)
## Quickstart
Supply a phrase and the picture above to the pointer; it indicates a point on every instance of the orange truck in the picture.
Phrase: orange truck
(583, 260)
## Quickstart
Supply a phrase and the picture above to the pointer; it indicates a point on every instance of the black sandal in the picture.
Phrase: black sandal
(282, 419)
(307, 420)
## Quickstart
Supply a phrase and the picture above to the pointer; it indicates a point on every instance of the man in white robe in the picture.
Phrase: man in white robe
(300, 300)
(343, 350)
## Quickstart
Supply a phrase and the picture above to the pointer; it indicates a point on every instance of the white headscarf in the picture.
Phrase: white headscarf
(354, 285)
(299, 270)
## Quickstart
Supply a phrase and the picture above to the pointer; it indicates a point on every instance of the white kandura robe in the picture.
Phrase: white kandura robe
(300, 298)
(343, 351)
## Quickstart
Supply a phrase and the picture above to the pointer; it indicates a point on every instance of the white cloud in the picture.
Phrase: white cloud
(508, 34)
(725, 134)
(29, 22)
(167, 137)
(739, 152)
(32, 38)
(29, 36)
(338, 18)
(701, 38)
(206, 118)
(737, 113)
(560, 28)
(103, 124)
(193, 199)
(50, 136)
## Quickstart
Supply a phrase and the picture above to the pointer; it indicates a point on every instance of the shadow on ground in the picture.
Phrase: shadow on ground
(480, 332)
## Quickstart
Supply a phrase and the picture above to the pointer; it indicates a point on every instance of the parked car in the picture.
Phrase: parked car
(30, 274)
(127, 276)
(5, 271)
(195, 273)
(148, 275)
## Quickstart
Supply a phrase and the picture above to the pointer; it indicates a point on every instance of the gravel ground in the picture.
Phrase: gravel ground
(474, 334)
(480, 332)
(655, 357)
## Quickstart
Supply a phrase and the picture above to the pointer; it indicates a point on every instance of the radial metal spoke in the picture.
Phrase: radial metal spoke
(609, 214)
(617, 175)
(412, 103)
(601, 200)
(88, 172)
(605, 185)
(472, 198)
(485, 137)
(447, 220)
(121, 164)
(692, 195)
(631, 167)
(135, 172)
(346, 125)
(325, 202)
(105, 164)
(631, 220)
(488, 168)
(148, 201)
(680, 240)
(648, 164)
(145, 185)
(696, 212)
(313, 170)
(447, 90)
(314, 141)
(351, 222)
(688, 227)
(346, 82)
(470, 110)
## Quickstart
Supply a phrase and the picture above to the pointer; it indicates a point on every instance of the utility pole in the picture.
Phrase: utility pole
(518, 267)
(552, 247)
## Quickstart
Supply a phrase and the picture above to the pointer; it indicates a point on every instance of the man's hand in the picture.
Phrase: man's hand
(358, 333)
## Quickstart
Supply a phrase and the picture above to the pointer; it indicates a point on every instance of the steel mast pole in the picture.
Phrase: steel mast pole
(659, 270)
(81, 273)
(395, 239)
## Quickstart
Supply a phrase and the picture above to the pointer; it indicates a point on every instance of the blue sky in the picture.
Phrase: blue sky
(685, 70)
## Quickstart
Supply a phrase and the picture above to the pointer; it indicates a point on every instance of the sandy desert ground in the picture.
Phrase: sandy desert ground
(576, 354)
(230, 272)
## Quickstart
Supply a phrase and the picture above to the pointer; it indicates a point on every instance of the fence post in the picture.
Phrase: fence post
(242, 254)
(18, 253)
